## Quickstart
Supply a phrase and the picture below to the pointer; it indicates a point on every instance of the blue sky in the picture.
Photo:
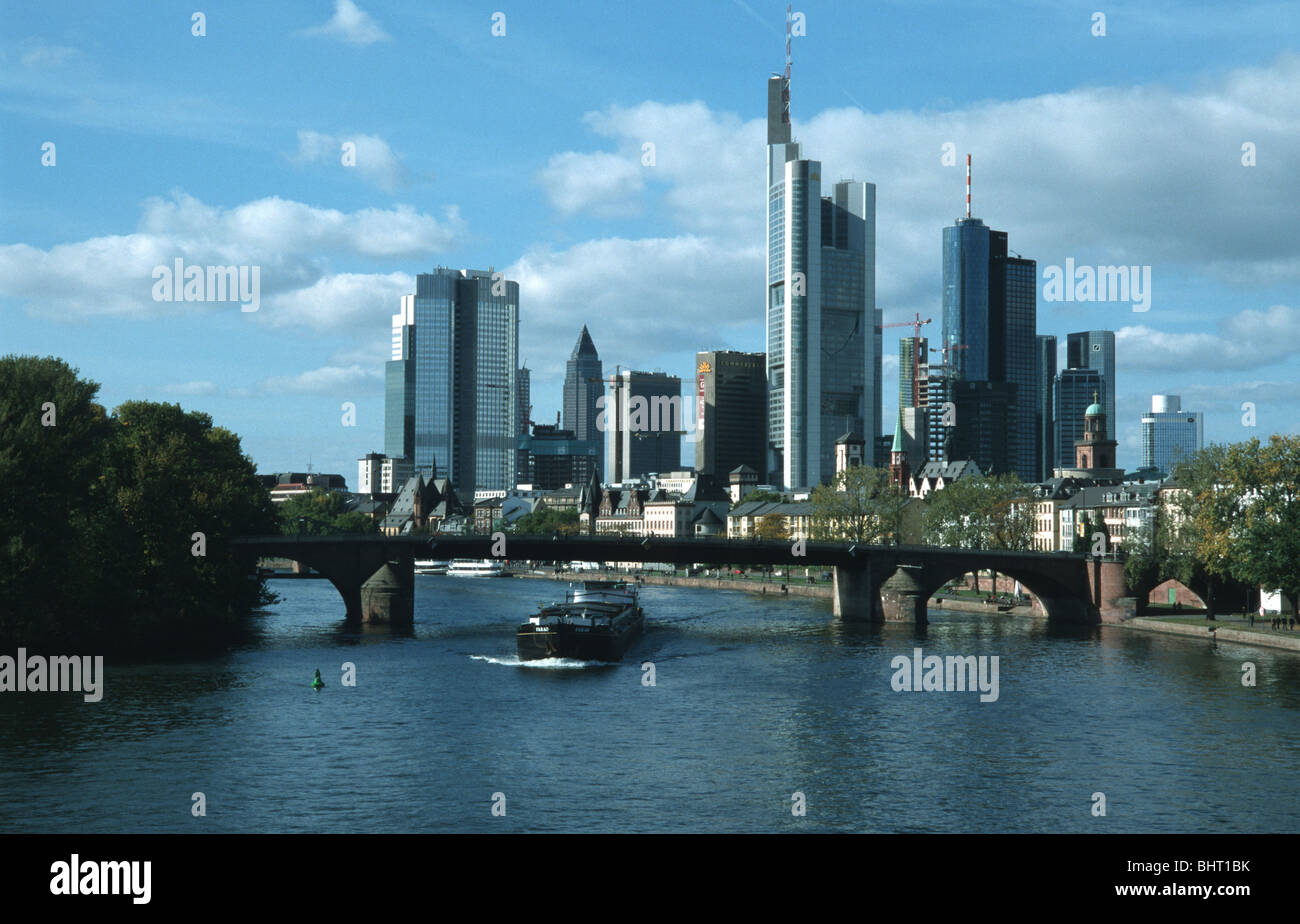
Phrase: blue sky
(523, 152)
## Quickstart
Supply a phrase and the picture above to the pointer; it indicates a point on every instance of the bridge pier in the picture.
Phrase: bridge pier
(856, 595)
(387, 597)
(902, 598)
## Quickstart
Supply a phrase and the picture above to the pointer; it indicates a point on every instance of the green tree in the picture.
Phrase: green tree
(323, 513)
(771, 526)
(858, 505)
(547, 521)
(52, 437)
(772, 497)
(981, 513)
(1266, 549)
(180, 489)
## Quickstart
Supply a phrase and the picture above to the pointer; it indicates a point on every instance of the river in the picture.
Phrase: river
(754, 699)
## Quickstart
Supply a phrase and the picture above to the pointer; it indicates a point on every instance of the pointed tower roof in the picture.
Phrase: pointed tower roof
(898, 433)
(584, 346)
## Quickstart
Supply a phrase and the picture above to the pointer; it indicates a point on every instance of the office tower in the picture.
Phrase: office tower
(523, 415)
(1169, 434)
(823, 327)
(557, 458)
(369, 468)
(1045, 374)
(730, 412)
(913, 354)
(641, 416)
(583, 386)
(1095, 349)
(990, 326)
(460, 332)
(1075, 390)
(399, 385)
(939, 419)
(1013, 334)
(987, 423)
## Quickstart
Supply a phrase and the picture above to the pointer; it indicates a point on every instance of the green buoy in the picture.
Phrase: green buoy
(316, 682)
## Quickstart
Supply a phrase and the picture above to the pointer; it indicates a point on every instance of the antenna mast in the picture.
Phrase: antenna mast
(968, 186)
(785, 86)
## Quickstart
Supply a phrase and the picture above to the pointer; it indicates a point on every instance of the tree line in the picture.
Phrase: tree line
(115, 527)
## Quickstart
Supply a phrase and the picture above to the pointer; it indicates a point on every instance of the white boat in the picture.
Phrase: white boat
(429, 566)
(476, 567)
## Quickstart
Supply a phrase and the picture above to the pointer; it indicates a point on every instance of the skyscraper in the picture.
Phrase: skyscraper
(1170, 434)
(641, 415)
(583, 386)
(913, 353)
(399, 386)
(989, 329)
(523, 417)
(1044, 421)
(1076, 389)
(731, 423)
(458, 335)
(823, 327)
(1095, 349)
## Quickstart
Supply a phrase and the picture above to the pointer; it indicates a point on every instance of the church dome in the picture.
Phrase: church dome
(1093, 410)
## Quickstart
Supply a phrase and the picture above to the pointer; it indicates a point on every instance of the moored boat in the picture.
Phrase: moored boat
(597, 621)
(476, 567)
(430, 566)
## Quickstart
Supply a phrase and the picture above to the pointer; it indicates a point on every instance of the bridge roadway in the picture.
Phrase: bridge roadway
(375, 574)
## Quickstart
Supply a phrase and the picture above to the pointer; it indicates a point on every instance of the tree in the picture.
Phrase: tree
(771, 497)
(546, 521)
(1267, 550)
(116, 529)
(771, 526)
(980, 512)
(858, 505)
(323, 513)
(52, 436)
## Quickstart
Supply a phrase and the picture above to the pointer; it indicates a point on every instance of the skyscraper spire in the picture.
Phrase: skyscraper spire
(968, 186)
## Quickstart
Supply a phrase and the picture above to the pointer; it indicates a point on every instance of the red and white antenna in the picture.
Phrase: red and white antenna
(968, 186)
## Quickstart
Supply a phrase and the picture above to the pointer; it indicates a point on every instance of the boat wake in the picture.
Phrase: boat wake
(553, 664)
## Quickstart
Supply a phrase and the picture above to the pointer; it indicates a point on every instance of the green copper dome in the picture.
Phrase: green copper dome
(1093, 410)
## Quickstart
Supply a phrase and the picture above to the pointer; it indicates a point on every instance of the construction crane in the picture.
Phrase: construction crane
(943, 351)
(915, 324)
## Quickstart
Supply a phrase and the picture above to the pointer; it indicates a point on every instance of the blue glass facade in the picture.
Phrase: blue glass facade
(966, 298)
(466, 388)
(1075, 390)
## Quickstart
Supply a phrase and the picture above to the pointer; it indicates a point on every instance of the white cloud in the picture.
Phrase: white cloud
(601, 184)
(289, 241)
(346, 299)
(48, 56)
(349, 24)
(325, 380)
(1246, 340)
(204, 387)
(375, 161)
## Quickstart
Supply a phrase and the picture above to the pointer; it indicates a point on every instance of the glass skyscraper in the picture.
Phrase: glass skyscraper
(990, 307)
(1044, 416)
(1095, 349)
(1075, 390)
(1170, 434)
(458, 339)
(823, 327)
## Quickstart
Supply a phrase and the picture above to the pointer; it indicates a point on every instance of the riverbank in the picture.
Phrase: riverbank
(1224, 630)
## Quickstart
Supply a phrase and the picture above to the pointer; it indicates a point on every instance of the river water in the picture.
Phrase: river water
(755, 699)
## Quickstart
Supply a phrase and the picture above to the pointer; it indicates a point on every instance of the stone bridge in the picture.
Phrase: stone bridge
(375, 574)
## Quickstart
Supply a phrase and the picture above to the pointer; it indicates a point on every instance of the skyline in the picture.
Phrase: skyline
(216, 174)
